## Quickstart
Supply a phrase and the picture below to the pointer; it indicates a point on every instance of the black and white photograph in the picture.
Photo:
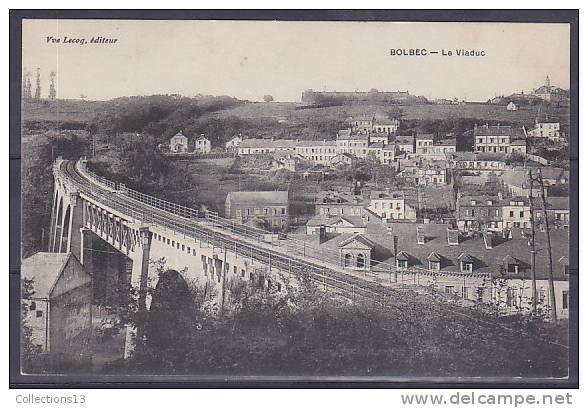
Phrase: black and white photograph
(228, 199)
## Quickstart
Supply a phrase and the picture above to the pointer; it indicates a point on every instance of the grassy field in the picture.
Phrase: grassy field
(61, 110)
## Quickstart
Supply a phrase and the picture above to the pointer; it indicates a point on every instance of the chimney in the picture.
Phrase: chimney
(420, 235)
(452, 237)
(322, 234)
(488, 239)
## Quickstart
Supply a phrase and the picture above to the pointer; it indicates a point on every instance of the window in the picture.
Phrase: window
(32, 306)
(234, 270)
(566, 269)
(521, 214)
(183, 247)
(400, 263)
(449, 289)
(565, 300)
(512, 214)
(512, 268)
(347, 260)
(242, 273)
(360, 261)
(40, 312)
(510, 297)
(464, 292)
(434, 265)
(467, 267)
(480, 294)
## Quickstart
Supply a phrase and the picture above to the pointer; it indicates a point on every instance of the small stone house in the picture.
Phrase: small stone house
(58, 309)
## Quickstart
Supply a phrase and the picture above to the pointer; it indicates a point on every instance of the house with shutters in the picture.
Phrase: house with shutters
(499, 139)
(270, 206)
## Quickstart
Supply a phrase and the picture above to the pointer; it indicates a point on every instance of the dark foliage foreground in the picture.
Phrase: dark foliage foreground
(300, 331)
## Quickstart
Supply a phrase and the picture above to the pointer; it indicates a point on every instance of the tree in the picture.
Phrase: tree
(268, 98)
(29, 352)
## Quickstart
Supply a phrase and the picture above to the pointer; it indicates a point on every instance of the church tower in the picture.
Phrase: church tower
(547, 82)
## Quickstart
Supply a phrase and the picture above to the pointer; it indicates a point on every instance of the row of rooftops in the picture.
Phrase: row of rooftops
(553, 203)
(500, 130)
(431, 242)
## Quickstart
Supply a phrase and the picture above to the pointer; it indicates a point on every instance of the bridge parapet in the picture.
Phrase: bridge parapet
(295, 253)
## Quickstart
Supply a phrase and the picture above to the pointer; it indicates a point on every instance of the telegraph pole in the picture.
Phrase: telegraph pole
(553, 311)
(224, 280)
(533, 273)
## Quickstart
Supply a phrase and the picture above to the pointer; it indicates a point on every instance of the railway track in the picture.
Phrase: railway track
(349, 287)
(338, 283)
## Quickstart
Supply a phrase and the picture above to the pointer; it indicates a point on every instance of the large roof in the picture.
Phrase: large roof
(404, 139)
(480, 156)
(268, 143)
(353, 220)
(489, 260)
(351, 136)
(258, 197)
(500, 130)
(44, 268)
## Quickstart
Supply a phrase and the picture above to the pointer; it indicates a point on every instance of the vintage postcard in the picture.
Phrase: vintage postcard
(320, 200)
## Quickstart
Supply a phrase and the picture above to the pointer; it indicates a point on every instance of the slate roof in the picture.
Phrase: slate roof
(359, 238)
(258, 197)
(482, 156)
(44, 268)
(378, 145)
(268, 143)
(317, 220)
(514, 133)
(489, 260)
(446, 142)
(404, 139)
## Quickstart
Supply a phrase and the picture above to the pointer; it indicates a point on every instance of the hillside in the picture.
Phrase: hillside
(60, 111)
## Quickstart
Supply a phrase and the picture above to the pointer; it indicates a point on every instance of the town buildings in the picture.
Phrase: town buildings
(479, 163)
(233, 144)
(178, 143)
(550, 93)
(331, 203)
(549, 130)
(499, 139)
(405, 144)
(391, 206)
(202, 145)
(491, 268)
(271, 207)
(424, 144)
(58, 311)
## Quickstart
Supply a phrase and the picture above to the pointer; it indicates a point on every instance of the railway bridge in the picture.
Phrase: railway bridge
(115, 232)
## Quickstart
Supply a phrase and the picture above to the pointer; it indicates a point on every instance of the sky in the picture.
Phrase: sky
(249, 59)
